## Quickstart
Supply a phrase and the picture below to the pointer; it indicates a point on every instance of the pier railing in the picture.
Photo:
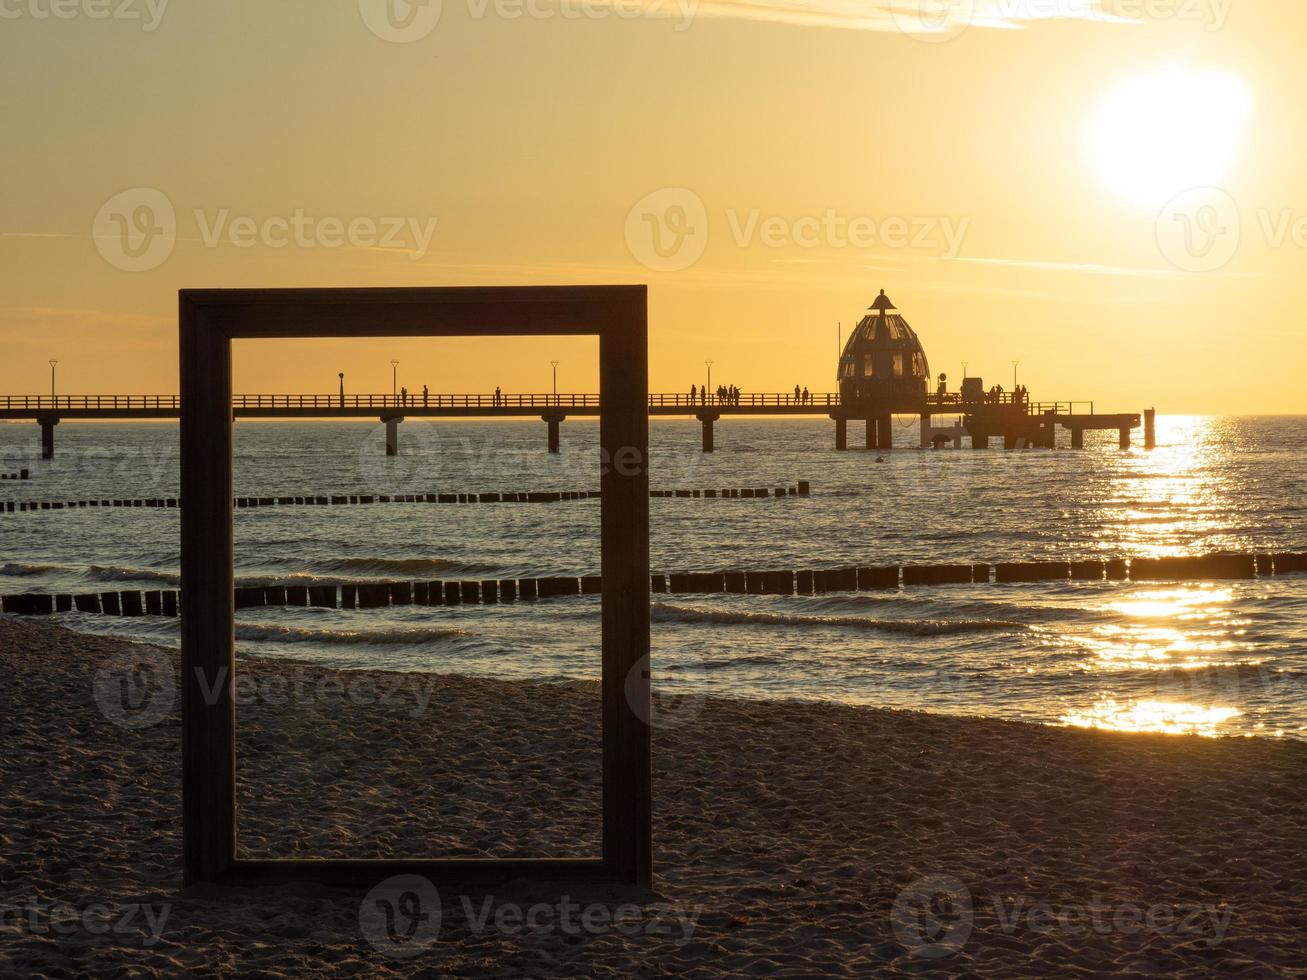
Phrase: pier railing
(936, 402)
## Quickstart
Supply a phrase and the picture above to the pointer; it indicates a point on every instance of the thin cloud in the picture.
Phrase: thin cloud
(1096, 269)
(919, 17)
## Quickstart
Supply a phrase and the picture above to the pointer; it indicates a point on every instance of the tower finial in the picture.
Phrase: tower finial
(883, 303)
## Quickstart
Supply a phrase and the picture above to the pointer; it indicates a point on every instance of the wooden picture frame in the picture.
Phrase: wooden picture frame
(209, 320)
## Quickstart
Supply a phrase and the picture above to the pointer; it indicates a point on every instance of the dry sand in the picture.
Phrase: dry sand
(791, 839)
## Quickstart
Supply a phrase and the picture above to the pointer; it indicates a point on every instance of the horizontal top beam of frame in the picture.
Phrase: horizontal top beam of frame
(521, 311)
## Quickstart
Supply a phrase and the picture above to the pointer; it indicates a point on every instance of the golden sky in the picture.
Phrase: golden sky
(1108, 192)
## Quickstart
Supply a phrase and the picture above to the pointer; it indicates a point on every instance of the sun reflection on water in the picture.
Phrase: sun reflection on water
(1166, 717)
(1169, 628)
(1172, 501)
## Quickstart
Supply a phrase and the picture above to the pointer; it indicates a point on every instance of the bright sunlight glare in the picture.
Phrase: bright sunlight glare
(1159, 135)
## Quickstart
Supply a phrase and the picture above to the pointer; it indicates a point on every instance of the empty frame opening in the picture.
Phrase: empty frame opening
(413, 674)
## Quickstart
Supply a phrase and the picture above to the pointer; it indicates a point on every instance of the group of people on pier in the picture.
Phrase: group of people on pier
(406, 400)
(730, 395)
(724, 395)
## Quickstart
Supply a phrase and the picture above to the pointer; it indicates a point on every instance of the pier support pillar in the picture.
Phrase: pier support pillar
(841, 434)
(554, 421)
(1125, 438)
(1077, 438)
(1150, 428)
(1010, 440)
(47, 422)
(706, 419)
(926, 436)
(873, 436)
(392, 435)
(979, 442)
(885, 428)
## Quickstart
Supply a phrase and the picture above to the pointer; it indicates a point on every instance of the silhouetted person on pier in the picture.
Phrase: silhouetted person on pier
(807, 397)
(499, 397)
(425, 396)
(693, 392)
(403, 396)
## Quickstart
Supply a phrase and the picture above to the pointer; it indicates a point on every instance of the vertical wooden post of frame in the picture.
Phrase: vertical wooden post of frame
(624, 442)
(207, 622)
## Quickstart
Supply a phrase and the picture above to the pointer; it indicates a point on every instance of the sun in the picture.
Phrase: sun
(1158, 135)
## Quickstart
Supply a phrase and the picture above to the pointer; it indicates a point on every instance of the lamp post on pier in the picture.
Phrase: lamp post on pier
(554, 365)
(341, 375)
(708, 387)
(394, 380)
(53, 364)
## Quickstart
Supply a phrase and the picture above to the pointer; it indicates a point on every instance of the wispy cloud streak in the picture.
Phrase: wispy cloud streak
(924, 18)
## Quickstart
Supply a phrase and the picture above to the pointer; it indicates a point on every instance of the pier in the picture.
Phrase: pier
(883, 372)
(1020, 424)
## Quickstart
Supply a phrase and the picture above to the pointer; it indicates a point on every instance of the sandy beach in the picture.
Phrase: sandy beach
(792, 839)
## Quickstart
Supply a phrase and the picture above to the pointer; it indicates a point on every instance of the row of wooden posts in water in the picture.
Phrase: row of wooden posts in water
(20, 475)
(375, 595)
(802, 489)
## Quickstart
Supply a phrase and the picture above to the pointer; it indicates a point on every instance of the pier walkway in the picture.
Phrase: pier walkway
(1018, 423)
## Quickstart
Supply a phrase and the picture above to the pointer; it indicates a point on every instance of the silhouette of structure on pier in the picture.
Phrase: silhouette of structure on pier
(884, 371)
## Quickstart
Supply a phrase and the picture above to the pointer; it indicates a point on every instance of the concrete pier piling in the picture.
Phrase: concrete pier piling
(47, 423)
(706, 419)
(1150, 428)
(392, 434)
(841, 434)
(554, 420)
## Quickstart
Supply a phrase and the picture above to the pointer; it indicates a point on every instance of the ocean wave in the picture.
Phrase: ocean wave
(124, 573)
(957, 604)
(914, 627)
(19, 569)
(396, 566)
(266, 633)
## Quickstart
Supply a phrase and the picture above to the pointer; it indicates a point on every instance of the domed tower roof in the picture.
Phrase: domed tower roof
(883, 362)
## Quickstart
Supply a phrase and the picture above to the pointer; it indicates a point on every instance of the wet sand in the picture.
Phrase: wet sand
(791, 839)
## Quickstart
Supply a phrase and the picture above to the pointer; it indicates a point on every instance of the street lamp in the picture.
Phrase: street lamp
(394, 379)
(554, 365)
(1014, 374)
(53, 364)
(342, 388)
(709, 386)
